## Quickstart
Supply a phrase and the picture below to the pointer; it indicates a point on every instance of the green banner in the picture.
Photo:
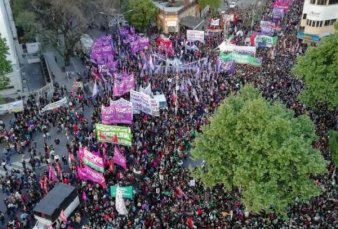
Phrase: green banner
(265, 41)
(114, 134)
(241, 59)
(127, 192)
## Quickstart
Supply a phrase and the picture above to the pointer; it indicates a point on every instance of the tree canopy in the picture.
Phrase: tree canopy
(333, 142)
(140, 13)
(5, 64)
(318, 69)
(260, 148)
(213, 4)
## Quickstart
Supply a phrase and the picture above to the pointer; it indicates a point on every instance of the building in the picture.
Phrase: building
(8, 31)
(318, 19)
(172, 15)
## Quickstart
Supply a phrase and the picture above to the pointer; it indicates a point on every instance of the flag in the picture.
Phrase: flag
(51, 173)
(190, 222)
(119, 159)
(174, 98)
(95, 89)
(84, 196)
(62, 216)
(151, 64)
(119, 202)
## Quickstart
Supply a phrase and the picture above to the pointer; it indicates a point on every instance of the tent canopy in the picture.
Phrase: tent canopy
(51, 203)
(191, 22)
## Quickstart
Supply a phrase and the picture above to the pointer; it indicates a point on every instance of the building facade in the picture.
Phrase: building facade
(8, 31)
(171, 14)
(318, 19)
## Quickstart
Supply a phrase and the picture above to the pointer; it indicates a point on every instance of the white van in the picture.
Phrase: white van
(47, 211)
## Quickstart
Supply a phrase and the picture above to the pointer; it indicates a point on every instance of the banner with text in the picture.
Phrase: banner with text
(91, 159)
(16, 106)
(127, 192)
(117, 112)
(114, 134)
(57, 104)
(123, 83)
(195, 35)
(144, 103)
(241, 59)
(86, 173)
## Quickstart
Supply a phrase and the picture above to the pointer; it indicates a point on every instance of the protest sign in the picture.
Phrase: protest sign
(195, 35)
(241, 59)
(127, 192)
(123, 84)
(86, 173)
(57, 104)
(16, 106)
(239, 49)
(114, 134)
(91, 159)
(143, 102)
(117, 112)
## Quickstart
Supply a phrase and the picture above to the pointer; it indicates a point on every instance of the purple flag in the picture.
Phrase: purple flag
(119, 159)
(123, 84)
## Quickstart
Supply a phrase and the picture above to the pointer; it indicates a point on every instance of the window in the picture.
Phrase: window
(331, 2)
(313, 24)
(317, 23)
(321, 2)
(327, 22)
(304, 16)
(312, 1)
(333, 21)
(321, 24)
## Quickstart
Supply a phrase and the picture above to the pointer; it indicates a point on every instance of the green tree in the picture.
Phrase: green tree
(318, 69)
(140, 13)
(213, 4)
(333, 143)
(260, 148)
(5, 64)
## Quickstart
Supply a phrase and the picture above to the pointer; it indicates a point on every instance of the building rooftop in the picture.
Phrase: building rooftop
(169, 6)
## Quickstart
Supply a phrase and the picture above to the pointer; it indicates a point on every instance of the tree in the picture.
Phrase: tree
(318, 69)
(140, 13)
(213, 4)
(25, 18)
(261, 149)
(333, 143)
(63, 23)
(5, 64)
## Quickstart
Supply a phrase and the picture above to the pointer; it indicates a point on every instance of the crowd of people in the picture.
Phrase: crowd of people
(166, 196)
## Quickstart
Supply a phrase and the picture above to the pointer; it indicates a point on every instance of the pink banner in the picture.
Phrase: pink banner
(119, 159)
(281, 5)
(92, 160)
(123, 83)
(87, 173)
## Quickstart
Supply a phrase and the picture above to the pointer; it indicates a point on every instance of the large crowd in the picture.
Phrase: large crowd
(164, 196)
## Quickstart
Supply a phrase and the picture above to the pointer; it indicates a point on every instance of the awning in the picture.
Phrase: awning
(192, 22)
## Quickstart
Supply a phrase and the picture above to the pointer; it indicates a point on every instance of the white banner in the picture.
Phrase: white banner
(16, 106)
(195, 35)
(234, 48)
(214, 22)
(144, 103)
(55, 105)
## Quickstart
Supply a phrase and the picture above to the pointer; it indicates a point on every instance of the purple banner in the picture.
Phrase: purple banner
(228, 67)
(123, 83)
(117, 112)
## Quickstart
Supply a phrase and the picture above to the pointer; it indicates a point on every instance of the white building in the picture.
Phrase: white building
(8, 31)
(318, 19)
